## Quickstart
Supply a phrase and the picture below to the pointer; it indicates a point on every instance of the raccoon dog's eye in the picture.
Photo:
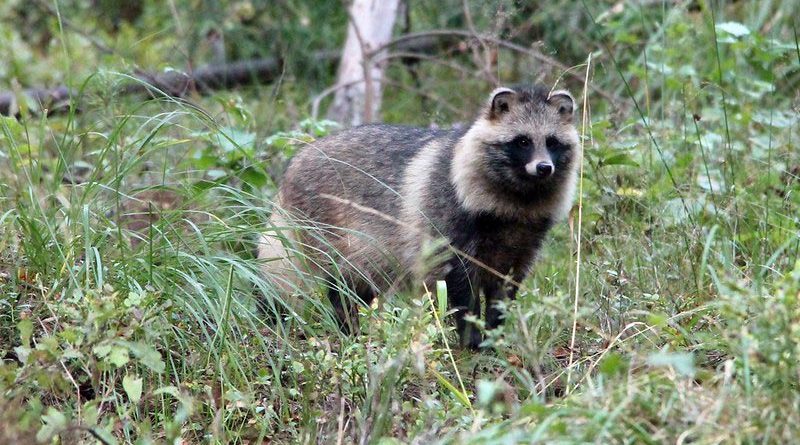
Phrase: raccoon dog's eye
(553, 143)
(523, 142)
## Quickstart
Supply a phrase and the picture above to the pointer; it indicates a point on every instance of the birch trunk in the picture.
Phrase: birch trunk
(358, 95)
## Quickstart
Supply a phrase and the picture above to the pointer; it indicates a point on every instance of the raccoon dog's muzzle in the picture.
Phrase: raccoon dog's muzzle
(540, 168)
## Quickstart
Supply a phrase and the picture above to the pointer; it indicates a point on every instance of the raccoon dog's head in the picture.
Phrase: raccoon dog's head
(521, 154)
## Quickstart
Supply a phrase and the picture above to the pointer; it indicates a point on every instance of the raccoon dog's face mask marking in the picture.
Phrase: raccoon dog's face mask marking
(521, 152)
(523, 163)
(529, 158)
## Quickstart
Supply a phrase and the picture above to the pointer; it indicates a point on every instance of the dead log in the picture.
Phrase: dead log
(202, 80)
(54, 100)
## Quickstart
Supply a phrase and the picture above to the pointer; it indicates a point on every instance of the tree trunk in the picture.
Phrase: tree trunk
(358, 95)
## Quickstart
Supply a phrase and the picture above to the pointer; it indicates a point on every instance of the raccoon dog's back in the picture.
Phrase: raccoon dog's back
(345, 193)
(363, 165)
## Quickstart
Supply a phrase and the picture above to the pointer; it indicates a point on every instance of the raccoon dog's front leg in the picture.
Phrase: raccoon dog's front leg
(345, 309)
(465, 301)
(495, 289)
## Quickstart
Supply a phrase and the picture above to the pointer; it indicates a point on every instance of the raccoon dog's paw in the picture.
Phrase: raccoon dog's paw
(471, 338)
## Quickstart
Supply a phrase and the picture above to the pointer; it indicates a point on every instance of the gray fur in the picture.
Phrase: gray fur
(373, 199)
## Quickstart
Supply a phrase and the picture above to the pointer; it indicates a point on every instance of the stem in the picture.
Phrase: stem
(580, 222)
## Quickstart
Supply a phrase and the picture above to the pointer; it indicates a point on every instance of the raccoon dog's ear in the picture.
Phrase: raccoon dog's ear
(500, 102)
(563, 101)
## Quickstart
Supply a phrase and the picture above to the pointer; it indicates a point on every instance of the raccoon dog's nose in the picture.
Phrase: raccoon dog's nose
(544, 169)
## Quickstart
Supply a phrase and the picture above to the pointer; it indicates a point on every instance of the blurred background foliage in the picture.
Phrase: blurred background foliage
(181, 34)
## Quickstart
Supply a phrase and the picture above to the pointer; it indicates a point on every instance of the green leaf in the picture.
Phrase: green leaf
(22, 353)
(70, 335)
(460, 396)
(91, 412)
(134, 299)
(119, 356)
(25, 328)
(441, 297)
(233, 139)
(487, 391)
(286, 140)
(102, 350)
(534, 409)
(133, 388)
(318, 128)
(216, 174)
(254, 177)
(735, 29)
(71, 353)
(147, 355)
(11, 129)
(54, 422)
(619, 159)
(186, 407)
(106, 434)
(657, 319)
(682, 362)
(612, 364)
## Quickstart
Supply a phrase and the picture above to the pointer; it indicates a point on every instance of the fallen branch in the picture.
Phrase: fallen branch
(202, 80)
(209, 78)
(52, 99)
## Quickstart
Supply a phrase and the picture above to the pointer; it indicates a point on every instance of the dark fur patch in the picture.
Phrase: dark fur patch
(530, 94)
(506, 169)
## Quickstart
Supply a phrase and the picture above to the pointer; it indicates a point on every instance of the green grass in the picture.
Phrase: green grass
(132, 308)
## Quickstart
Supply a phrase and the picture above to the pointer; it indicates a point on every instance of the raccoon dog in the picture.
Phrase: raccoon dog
(379, 205)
